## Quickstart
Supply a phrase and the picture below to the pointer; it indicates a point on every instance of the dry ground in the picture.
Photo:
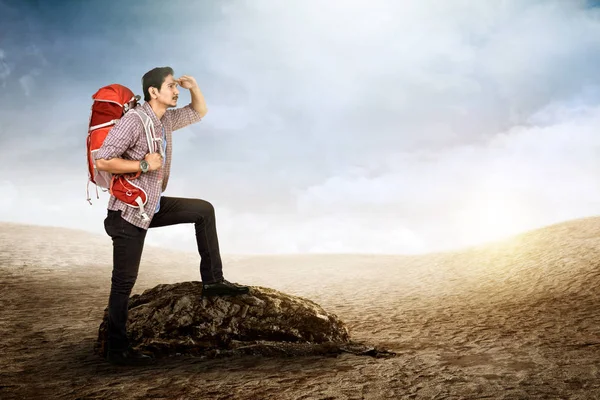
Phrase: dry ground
(514, 320)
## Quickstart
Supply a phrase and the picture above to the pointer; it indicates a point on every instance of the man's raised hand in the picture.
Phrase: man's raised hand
(187, 82)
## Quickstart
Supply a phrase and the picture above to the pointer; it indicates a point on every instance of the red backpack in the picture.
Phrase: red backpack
(110, 104)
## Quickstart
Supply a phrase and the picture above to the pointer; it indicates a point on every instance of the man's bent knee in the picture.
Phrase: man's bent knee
(204, 207)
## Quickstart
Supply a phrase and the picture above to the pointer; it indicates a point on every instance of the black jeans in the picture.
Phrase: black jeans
(128, 243)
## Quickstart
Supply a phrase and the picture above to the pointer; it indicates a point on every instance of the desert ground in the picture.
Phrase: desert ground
(514, 319)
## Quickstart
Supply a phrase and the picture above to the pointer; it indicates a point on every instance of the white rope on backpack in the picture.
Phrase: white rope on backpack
(87, 192)
(142, 211)
(111, 122)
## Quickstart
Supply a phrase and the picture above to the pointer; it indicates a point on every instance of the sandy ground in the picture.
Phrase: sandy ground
(514, 320)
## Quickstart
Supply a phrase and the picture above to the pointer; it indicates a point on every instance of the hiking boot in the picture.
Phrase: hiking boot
(128, 357)
(223, 288)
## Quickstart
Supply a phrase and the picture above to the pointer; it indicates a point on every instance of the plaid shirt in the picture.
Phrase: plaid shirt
(127, 139)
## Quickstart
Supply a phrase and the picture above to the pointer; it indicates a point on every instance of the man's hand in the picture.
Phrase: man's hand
(187, 82)
(198, 103)
(155, 161)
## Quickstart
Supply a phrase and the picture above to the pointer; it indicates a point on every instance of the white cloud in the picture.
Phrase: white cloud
(412, 202)
(4, 68)
(27, 84)
(10, 194)
(377, 126)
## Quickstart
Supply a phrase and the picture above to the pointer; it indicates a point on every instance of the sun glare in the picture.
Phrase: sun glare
(492, 215)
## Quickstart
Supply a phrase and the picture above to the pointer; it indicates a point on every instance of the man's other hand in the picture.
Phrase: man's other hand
(155, 161)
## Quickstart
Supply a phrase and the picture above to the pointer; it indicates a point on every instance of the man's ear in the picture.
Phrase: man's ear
(153, 92)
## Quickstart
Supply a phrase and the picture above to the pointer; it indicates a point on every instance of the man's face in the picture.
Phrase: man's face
(168, 93)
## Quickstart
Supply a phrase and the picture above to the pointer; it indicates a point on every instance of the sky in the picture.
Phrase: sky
(380, 126)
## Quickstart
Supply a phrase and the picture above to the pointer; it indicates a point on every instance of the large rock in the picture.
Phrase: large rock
(174, 319)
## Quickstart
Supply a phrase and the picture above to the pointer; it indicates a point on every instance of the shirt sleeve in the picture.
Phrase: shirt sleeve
(182, 117)
(121, 137)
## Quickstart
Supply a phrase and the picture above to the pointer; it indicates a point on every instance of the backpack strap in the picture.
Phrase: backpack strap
(149, 128)
(151, 139)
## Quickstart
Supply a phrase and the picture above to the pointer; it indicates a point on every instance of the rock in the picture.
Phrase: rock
(173, 319)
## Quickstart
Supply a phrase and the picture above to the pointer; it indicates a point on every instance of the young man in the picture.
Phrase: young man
(125, 150)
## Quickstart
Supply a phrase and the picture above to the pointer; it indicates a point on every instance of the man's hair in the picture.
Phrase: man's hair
(154, 78)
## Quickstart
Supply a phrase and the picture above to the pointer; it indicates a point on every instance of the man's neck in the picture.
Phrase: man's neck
(159, 109)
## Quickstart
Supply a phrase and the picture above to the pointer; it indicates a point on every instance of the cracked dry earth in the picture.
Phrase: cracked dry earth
(516, 319)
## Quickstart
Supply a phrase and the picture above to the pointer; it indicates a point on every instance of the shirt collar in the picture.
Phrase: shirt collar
(150, 112)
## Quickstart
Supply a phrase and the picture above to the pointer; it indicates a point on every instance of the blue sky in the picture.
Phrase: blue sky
(362, 126)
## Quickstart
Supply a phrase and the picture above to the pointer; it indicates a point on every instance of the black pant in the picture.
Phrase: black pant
(128, 243)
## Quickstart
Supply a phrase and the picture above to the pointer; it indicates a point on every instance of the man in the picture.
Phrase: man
(125, 150)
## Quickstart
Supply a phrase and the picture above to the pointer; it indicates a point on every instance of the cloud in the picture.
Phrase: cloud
(520, 179)
(354, 80)
(356, 126)
(10, 194)
(531, 175)
(27, 83)
(4, 68)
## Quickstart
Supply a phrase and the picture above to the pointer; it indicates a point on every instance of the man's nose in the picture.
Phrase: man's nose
(176, 90)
